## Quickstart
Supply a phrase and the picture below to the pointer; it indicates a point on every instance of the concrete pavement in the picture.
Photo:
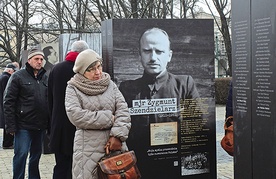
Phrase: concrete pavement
(47, 162)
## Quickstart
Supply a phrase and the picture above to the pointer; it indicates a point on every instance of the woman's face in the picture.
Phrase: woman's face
(94, 73)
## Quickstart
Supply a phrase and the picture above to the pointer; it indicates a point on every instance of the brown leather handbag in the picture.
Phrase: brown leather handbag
(227, 142)
(117, 165)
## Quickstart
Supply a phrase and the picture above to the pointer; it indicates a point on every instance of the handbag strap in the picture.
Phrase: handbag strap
(109, 153)
(228, 122)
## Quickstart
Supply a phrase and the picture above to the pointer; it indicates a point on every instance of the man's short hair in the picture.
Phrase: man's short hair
(79, 46)
(155, 29)
(47, 52)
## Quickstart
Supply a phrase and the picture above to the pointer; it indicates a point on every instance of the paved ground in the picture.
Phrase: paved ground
(224, 161)
(225, 168)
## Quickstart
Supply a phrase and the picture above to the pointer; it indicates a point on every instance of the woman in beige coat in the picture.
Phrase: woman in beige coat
(97, 108)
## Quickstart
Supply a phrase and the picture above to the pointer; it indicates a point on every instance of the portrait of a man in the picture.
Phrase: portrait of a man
(51, 56)
(164, 69)
(157, 83)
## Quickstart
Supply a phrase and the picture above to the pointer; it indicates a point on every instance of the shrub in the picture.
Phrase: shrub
(221, 89)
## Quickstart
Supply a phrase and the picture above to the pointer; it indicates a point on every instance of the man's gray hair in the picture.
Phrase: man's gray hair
(79, 46)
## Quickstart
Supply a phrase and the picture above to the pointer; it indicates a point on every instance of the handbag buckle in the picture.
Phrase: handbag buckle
(118, 163)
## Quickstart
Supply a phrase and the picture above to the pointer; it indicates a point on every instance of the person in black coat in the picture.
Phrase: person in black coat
(62, 131)
(8, 71)
(229, 103)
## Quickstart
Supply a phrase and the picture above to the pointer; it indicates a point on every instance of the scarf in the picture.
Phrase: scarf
(71, 56)
(89, 87)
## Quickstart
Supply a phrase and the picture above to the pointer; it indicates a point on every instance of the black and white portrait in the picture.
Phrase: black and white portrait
(51, 55)
(164, 69)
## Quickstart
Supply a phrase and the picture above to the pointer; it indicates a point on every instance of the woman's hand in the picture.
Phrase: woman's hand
(114, 144)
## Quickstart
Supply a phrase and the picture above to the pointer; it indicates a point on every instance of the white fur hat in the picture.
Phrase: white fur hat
(84, 59)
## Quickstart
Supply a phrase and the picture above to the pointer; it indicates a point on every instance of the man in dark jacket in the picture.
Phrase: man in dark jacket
(62, 131)
(8, 71)
(26, 114)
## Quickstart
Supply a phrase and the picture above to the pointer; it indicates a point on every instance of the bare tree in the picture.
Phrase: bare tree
(188, 8)
(14, 33)
(224, 14)
(30, 22)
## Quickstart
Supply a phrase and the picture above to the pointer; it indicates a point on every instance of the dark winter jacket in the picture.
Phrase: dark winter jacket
(62, 130)
(3, 83)
(168, 85)
(26, 100)
(229, 104)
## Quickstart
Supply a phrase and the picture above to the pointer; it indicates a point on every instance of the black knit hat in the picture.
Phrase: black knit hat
(10, 65)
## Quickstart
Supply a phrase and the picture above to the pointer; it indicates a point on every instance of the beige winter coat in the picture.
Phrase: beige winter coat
(92, 116)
